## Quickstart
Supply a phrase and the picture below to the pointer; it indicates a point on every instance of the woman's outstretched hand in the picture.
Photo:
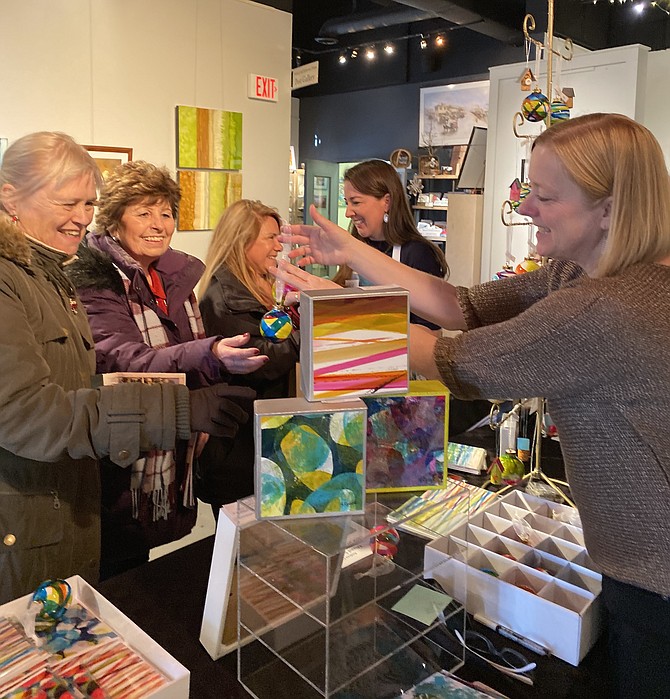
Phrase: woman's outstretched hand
(299, 279)
(326, 243)
(237, 359)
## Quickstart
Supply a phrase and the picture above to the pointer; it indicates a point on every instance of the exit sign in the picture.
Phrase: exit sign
(262, 87)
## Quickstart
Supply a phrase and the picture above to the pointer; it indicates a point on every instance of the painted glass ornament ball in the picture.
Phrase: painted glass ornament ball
(526, 265)
(559, 111)
(535, 107)
(54, 596)
(513, 469)
(384, 540)
(276, 325)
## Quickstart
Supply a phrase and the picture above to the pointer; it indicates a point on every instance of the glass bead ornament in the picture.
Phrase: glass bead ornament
(384, 541)
(559, 111)
(276, 325)
(53, 596)
(535, 107)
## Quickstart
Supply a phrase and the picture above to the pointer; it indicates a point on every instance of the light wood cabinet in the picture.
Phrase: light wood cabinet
(464, 238)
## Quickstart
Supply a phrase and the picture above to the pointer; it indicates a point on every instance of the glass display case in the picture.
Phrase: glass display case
(339, 607)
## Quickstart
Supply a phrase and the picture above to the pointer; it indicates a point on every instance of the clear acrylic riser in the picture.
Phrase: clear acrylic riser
(315, 614)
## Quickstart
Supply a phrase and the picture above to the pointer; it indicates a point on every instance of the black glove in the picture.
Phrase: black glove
(220, 410)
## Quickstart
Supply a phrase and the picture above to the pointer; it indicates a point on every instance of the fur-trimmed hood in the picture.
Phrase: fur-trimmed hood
(14, 245)
(93, 269)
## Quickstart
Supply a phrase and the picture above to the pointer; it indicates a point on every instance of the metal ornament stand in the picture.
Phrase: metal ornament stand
(537, 482)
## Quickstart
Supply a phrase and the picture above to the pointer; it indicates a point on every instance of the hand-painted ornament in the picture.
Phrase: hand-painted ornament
(535, 107)
(276, 325)
(559, 111)
(54, 596)
(384, 541)
(526, 265)
(512, 467)
(524, 191)
(506, 271)
(515, 193)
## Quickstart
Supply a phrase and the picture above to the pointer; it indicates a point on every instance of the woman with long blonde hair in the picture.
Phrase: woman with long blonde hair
(236, 291)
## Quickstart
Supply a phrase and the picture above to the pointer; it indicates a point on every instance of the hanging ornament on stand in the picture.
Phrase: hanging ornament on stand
(276, 324)
(536, 106)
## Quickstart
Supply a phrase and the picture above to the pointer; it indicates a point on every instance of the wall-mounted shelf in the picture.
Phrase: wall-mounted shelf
(422, 207)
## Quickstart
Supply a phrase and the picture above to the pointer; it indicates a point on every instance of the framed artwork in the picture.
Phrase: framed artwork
(407, 438)
(310, 457)
(108, 158)
(429, 165)
(447, 113)
(401, 158)
(209, 139)
(205, 194)
(354, 342)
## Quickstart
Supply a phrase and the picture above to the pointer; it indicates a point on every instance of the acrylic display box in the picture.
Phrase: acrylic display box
(176, 674)
(323, 615)
(521, 563)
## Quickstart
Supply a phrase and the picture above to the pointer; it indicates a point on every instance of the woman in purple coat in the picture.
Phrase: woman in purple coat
(138, 294)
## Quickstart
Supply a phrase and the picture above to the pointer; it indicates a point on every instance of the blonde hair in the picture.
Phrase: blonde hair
(45, 158)
(377, 178)
(239, 227)
(612, 155)
(129, 184)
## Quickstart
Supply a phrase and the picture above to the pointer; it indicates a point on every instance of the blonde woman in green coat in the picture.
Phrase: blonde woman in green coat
(53, 425)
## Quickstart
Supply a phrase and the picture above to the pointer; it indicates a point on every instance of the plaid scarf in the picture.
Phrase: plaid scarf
(154, 474)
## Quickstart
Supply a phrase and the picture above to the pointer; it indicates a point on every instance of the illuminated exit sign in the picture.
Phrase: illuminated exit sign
(262, 87)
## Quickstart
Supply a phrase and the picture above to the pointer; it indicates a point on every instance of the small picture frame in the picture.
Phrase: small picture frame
(108, 158)
(429, 165)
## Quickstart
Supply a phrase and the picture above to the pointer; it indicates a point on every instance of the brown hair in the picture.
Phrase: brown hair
(129, 184)
(377, 178)
(237, 229)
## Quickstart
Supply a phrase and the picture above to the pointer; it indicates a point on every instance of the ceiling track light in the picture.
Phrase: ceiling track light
(423, 43)
(389, 49)
(440, 40)
(370, 53)
(342, 59)
(354, 53)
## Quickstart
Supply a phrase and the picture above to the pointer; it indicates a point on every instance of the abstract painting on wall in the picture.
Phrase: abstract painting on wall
(406, 438)
(209, 138)
(204, 196)
(353, 342)
(310, 458)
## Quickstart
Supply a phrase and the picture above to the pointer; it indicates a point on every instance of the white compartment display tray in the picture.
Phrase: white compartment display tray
(178, 676)
(320, 610)
(522, 564)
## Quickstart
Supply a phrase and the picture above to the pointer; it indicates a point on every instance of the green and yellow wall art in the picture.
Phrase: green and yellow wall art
(209, 139)
(310, 457)
(205, 194)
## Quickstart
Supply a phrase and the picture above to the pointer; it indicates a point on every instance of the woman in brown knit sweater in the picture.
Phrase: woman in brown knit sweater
(590, 332)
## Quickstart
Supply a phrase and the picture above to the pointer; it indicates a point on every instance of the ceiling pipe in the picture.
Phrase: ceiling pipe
(462, 13)
(366, 21)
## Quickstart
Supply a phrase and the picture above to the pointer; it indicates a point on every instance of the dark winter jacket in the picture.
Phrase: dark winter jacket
(229, 308)
(52, 424)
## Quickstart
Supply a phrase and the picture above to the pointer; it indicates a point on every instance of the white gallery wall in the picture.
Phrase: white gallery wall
(611, 80)
(111, 72)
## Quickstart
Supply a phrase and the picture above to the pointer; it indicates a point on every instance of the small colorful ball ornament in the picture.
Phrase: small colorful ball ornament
(384, 541)
(513, 469)
(535, 107)
(276, 325)
(524, 191)
(559, 111)
(526, 265)
(54, 596)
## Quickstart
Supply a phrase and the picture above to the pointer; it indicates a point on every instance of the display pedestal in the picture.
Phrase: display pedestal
(320, 608)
